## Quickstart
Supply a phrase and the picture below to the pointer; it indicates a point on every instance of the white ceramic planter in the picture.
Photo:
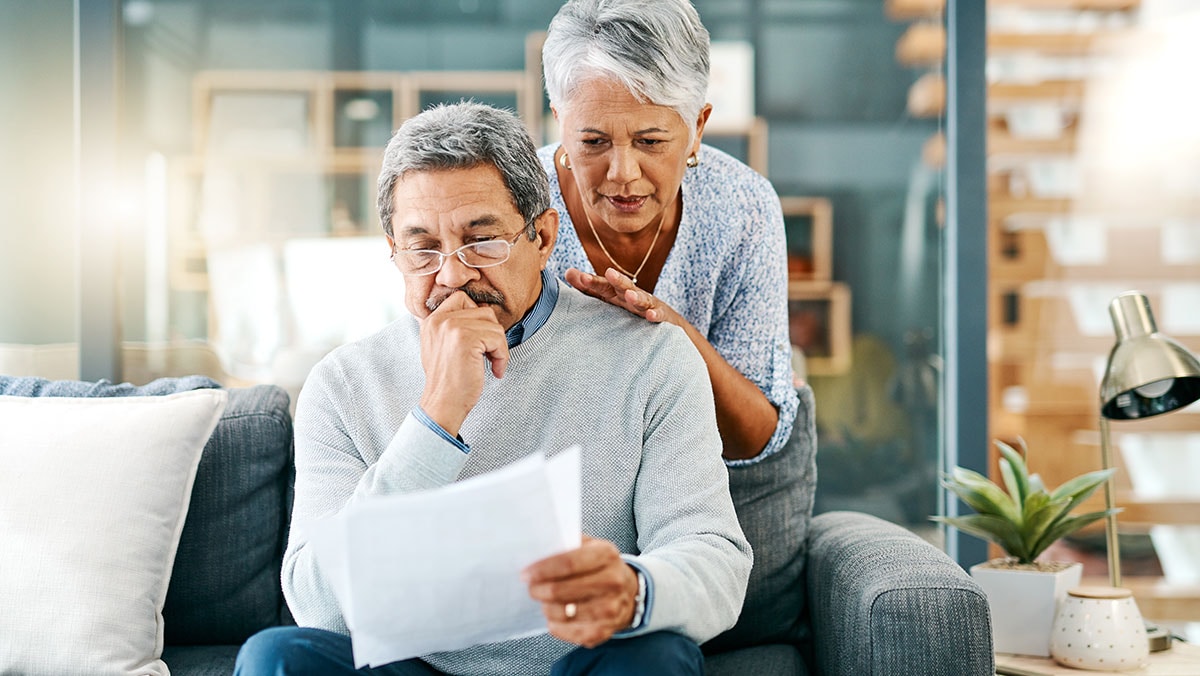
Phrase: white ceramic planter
(1023, 604)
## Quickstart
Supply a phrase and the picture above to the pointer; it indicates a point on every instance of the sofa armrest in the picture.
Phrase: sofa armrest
(883, 601)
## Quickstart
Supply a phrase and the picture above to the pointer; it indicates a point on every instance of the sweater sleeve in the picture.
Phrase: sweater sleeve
(332, 474)
(688, 534)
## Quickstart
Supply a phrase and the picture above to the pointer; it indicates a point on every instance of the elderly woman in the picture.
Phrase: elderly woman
(676, 231)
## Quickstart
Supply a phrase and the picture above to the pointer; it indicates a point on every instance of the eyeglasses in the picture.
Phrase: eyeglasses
(485, 254)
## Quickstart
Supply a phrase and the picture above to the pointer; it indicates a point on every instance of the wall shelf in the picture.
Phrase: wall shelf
(819, 324)
(1063, 91)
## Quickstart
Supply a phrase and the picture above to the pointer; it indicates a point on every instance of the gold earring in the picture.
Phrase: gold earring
(565, 161)
(693, 161)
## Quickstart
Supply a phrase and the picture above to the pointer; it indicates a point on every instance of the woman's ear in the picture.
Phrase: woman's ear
(701, 120)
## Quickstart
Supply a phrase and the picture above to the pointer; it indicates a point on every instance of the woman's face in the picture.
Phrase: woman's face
(627, 157)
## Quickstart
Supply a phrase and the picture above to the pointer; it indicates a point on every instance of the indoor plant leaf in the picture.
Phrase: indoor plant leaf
(1079, 488)
(989, 527)
(1041, 513)
(1014, 471)
(1035, 483)
(1021, 515)
(1066, 527)
(982, 495)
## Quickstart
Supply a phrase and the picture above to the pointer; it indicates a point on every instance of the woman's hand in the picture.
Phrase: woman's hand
(617, 289)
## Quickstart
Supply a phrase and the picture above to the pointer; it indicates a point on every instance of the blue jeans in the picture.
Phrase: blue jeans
(290, 651)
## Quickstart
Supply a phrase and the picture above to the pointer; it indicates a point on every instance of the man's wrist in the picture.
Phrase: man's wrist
(639, 601)
(449, 418)
(425, 419)
(642, 615)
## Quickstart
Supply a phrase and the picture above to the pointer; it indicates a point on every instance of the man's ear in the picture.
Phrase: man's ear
(546, 226)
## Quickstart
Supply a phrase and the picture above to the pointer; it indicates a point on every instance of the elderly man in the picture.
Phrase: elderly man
(499, 360)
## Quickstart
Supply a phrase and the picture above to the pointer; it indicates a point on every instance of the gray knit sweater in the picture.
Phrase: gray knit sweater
(634, 395)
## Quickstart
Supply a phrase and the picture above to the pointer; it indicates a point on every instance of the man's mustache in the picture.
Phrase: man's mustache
(478, 296)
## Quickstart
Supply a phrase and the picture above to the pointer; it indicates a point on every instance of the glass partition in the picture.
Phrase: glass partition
(252, 136)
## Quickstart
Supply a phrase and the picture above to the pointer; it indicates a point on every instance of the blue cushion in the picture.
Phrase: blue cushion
(225, 585)
(215, 660)
(225, 582)
(40, 387)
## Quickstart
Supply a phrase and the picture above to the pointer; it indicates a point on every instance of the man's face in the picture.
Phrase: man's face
(444, 210)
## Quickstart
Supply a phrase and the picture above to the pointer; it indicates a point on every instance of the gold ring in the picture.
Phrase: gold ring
(569, 610)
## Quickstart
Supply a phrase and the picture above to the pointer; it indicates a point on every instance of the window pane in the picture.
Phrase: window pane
(38, 234)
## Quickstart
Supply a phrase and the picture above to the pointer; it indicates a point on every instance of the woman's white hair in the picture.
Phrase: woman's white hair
(657, 49)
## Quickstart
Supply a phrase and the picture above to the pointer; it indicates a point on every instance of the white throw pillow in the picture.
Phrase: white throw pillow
(93, 495)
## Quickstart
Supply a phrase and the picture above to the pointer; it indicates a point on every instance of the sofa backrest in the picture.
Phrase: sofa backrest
(225, 582)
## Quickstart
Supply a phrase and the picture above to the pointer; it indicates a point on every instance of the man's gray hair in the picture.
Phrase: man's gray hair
(462, 136)
(657, 49)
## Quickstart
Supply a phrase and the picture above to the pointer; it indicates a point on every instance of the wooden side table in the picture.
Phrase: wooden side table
(1183, 659)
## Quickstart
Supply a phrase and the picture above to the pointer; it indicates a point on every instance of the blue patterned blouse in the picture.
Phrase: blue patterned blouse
(726, 273)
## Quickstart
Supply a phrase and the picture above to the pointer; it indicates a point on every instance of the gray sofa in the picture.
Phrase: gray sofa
(878, 599)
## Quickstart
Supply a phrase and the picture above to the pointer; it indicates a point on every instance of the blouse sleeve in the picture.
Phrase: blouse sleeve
(750, 324)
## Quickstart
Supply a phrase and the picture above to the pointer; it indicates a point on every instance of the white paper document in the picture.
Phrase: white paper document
(440, 570)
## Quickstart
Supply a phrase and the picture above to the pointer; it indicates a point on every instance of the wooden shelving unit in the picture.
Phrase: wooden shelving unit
(1049, 44)
(1043, 356)
(818, 307)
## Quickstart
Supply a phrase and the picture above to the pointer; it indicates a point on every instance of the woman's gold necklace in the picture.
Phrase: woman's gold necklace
(631, 275)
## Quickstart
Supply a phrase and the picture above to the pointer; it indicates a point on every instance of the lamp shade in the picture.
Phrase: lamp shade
(1147, 373)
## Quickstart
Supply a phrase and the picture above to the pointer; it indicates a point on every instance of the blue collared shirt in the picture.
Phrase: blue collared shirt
(528, 325)
(537, 315)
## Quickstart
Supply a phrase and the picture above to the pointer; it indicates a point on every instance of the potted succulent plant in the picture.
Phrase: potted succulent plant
(1023, 517)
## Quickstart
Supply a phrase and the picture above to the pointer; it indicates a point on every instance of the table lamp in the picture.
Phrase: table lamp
(1147, 374)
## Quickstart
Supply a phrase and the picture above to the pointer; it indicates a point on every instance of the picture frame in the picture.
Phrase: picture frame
(731, 84)
(808, 224)
(819, 326)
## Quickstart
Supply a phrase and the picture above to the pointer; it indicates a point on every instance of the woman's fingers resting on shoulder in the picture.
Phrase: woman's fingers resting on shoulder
(592, 285)
(637, 300)
(617, 289)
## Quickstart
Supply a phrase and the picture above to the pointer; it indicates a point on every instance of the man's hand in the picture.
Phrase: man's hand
(455, 340)
(598, 585)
